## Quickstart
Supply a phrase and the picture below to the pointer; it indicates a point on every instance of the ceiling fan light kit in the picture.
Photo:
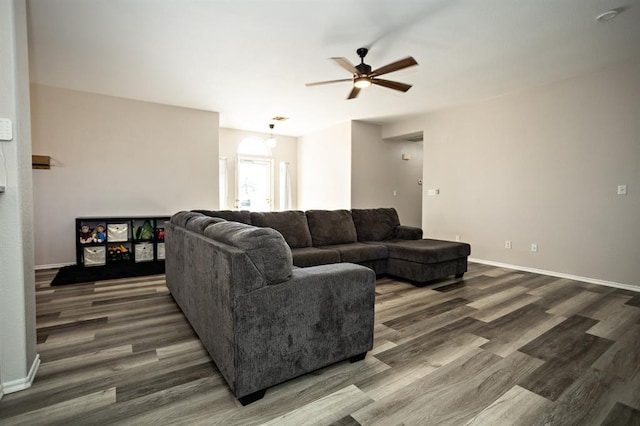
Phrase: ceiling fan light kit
(361, 82)
(363, 76)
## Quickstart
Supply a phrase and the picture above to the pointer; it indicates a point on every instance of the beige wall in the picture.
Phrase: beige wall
(399, 128)
(114, 156)
(324, 169)
(377, 170)
(542, 166)
(18, 358)
(286, 150)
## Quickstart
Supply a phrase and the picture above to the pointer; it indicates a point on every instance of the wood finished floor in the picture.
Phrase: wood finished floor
(500, 347)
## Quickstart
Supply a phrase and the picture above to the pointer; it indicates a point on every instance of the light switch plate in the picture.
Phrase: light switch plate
(6, 132)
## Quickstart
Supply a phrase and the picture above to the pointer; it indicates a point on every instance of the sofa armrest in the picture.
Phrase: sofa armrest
(322, 315)
(356, 278)
(403, 232)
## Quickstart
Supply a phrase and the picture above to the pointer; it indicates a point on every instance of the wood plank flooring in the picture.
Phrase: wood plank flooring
(499, 347)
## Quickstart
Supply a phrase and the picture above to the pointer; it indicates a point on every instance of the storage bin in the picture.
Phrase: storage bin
(95, 256)
(117, 232)
(160, 251)
(143, 252)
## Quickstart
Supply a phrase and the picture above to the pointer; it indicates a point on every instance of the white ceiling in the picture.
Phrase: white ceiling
(250, 59)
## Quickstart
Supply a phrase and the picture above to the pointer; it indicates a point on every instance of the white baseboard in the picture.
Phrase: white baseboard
(1, 391)
(558, 274)
(24, 383)
(52, 266)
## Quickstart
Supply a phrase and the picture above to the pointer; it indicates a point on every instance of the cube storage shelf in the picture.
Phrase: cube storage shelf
(104, 241)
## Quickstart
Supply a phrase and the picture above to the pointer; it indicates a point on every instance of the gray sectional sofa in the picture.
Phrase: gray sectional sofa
(370, 237)
(262, 320)
(276, 295)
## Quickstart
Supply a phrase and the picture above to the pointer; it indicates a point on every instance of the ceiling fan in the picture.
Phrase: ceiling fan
(364, 77)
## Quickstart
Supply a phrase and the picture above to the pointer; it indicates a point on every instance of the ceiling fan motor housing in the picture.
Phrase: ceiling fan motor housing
(363, 68)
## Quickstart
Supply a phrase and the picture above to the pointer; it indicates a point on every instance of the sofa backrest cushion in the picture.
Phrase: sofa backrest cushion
(375, 224)
(292, 224)
(330, 227)
(199, 223)
(242, 216)
(193, 221)
(183, 217)
(266, 248)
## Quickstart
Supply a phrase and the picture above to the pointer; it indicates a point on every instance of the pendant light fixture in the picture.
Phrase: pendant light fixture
(271, 142)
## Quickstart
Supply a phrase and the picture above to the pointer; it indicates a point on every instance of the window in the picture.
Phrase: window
(254, 146)
(254, 184)
(254, 181)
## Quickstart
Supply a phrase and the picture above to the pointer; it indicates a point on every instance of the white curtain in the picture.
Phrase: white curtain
(285, 186)
(222, 178)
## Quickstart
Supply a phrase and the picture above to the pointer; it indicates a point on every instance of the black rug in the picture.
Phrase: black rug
(74, 274)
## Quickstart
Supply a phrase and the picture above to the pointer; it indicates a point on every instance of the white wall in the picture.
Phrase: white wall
(286, 150)
(114, 156)
(18, 358)
(377, 170)
(543, 166)
(324, 169)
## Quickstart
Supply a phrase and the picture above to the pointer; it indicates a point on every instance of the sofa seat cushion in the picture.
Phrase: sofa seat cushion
(265, 247)
(359, 252)
(331, 227)
(292, 224)
(375, 224)
(304, 257)
(427, 250)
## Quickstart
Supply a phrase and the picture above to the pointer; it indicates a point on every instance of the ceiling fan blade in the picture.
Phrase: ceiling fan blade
(395, 66)
(346, 64)
(354, 92)
(391, 84)
(318, 83)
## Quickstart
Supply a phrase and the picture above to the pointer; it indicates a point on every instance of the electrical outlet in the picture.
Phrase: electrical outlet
(458, 238)
(534, 247)
(507, 244)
